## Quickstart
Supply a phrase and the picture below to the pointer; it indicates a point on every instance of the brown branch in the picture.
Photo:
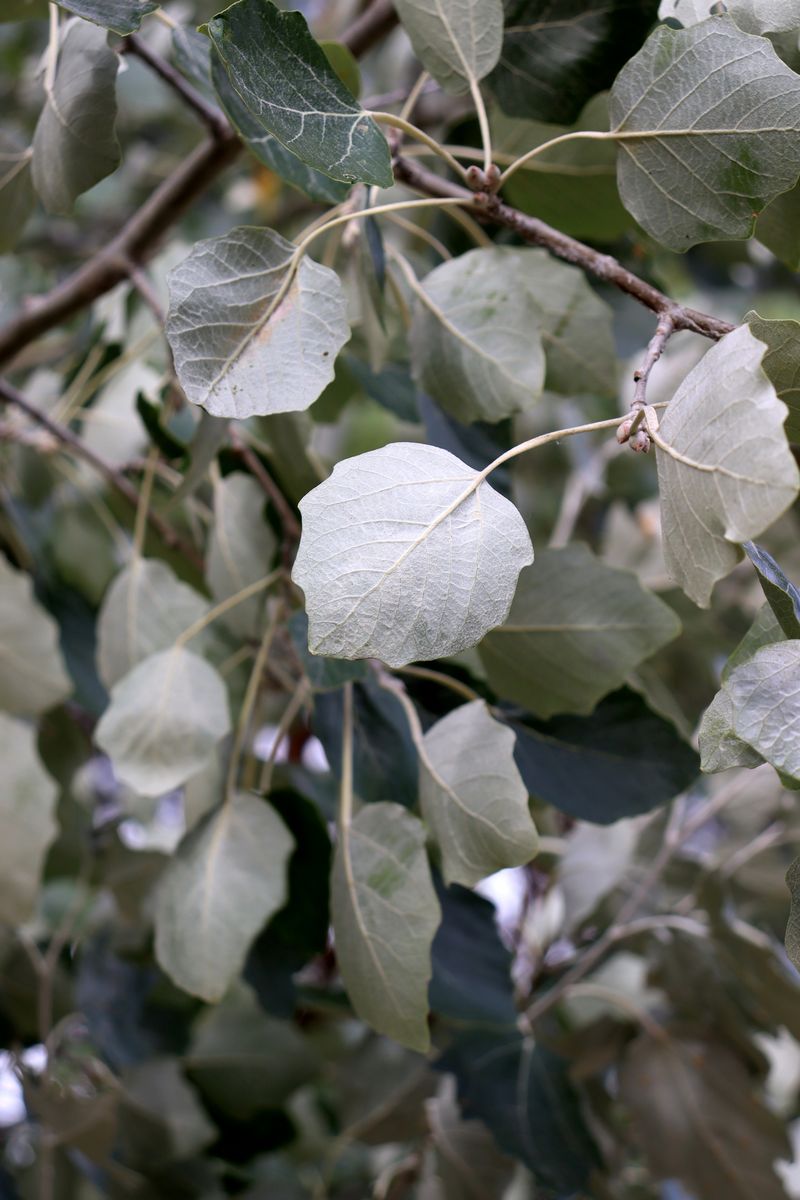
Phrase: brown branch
(218, 124)
(115, 478)
(290, 523)
(537, 233)
(372, 25)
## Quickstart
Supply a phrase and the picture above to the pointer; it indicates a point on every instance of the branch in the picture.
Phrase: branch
(373, 24)
(218, 124)
(115, 478)
(537, 233)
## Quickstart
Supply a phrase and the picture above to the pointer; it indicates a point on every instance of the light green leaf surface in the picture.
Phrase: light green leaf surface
(286, 81)
(74, 145)
(165, 718)
(725, 470)
(144, 610)
(27, 812)
(778, 228)
(576, 630)
(473, 797)
(781, 364)
(457, 41)
(227, 878)
(709, 126)
(754, 16)
(122, 16)
(241, 549)
(765, 701)
(385, 914)
(244, 344)
(33, 677)
(16, 189)
(720, 748)
(406, 554)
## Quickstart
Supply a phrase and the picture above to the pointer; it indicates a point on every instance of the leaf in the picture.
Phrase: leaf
(16, 189)
(470, 1166)
(20, 10)
(754, 16)
(783, 596)
(793, 926)
(719, 1140)
(266, 147)
(765, 701)
(275, 348)
(595, 860)
(778, 228)
(27, 812)
(620, 761)
(163, 1120)
(720, 748)
(33, 676)
(226, 880)
(164, 720)
(324, 674)
(457, 43)
(74, 145)
(241, 549)
(473, 797)
(122, 16)
(781, 364)
(474, 339)
(725, 471)
(707, 120)
(192, 53)
(144, 611)
(558, 53)
(764, 631)
(286, 81)
(576, 630)
(385, 914)
(522, 1092)
(406, 554)
(471, 983)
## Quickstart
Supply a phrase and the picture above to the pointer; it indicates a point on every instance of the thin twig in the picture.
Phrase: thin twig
(211, 116)
(289, 521)
(655, 348)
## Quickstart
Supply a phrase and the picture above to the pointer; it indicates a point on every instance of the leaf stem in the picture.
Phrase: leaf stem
(483, 122)
(346, 785)
(296, 702)
(420, 135)
(597, 135)
(51, 63)
(455, 685)
(249, 700)
(406, 112)
(226, 605)
(143, 507)
(377, 211)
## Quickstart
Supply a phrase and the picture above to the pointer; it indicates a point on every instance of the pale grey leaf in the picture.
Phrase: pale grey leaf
(708, 121)
(122, 16)
(247, 341)
(27, 813)
(33, 677)
(576, 630)
(725, 470)
(165, 718)
(765, 702)
(16, 189)
(720, 748)
(458, 41)
(385, 914)
(227, 878)
(74, 145)
(406, 553)
(473, 797)
(241, 549)
(754, 16)
(781, 364)
(144, 610)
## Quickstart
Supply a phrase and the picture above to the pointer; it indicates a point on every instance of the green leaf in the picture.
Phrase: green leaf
(457, 43)
(192, 53)
(74, 145)
(121, 16)
(793, 926)
(558, 53)
(385, 914)
(20, 10)
(471, 983)
(720, 747)
(241, 549)
(576, 630)
(16, 189)
(725, 471)
(708, 122)
(266, 147)
(236, 320)
(620, 761)
(344, 64)
(144, 610)
(764, 631)
(406, 554)
(27, 812)
(475, 337)
(473, 797)
(226, 880)
(33, 677)
(163, 1120)
(765, 700)
(754, 16)
(324, 674)
(164, 720)
(719, 1141)
(778, 228)
(286, 81)
(468, 1161)
(781, 364)
(783, 596)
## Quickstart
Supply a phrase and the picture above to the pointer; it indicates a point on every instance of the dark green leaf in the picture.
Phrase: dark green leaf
(324, 674)
(16, 189)
(783, 596)
(471, 982)
(121, 16)
(781, 364)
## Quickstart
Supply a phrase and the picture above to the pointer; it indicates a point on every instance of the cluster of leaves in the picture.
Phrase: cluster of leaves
(246, 494)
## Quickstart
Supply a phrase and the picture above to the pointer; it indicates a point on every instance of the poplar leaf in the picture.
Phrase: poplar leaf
(285, 79)
(459, 43)
(406, 553)
(246, 341)
(725, 471)
(385, 914)
(74, 145)
(226, 880)
(754, 16)
(781, 364)
(241, 549)
(27, 812)
(165, 718)
(708, 120)
(765, 704)
(16, 189)
(576, 630)
(121, 16)
(793, 925)
(473, 797)
(33, 677)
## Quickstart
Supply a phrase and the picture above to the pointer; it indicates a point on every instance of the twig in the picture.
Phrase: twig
(209, 114)
(146, 290)
(655, 348)
(291, 525)
(123, 486)
(372, 25)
